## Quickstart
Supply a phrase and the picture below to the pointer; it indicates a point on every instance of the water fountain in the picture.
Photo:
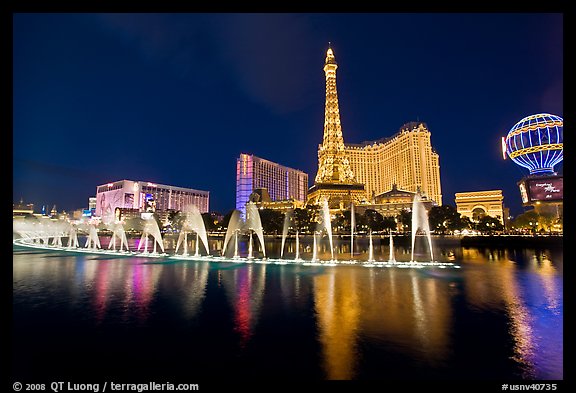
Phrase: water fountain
(193, 222)
(314, 249)
(236, 255)
(352, 227)
(120, 234)
(420, 221)
(391, 258)
(92, 239)
(253, 223)
(297, 257)
(370, 249)
(57, 231)
(45, 234)
(328, 225)
(73, 237)
(233, 227)
(151, 229)
(287, 217)
(250, 248)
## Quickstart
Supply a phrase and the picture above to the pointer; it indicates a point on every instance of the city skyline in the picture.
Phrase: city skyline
(175, 99)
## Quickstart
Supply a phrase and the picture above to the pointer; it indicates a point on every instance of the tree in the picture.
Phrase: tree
(405, 220)
(546, 220)
(340, 223)
(444, 218)
(347, 221)
(272, 220)
(374, 220)
(304, 220)
(465, 223)
(489, 224)
(209, 223)
(527, 220)
(389, 223)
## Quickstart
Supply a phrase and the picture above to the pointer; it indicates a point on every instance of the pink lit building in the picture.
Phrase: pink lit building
(146, 196)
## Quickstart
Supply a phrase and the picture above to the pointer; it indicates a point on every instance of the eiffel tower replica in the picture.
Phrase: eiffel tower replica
(335, 180)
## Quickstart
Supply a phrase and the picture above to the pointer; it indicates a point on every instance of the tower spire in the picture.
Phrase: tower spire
(333, 165)
(335, 180)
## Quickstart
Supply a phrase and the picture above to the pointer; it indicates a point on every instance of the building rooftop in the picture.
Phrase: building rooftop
(406, 127)
(395, 192)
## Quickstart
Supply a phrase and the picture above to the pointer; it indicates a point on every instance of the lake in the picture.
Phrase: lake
(500, 316)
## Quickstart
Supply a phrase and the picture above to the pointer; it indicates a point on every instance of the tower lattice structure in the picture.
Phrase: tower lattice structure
(335, 180)
(333, 164)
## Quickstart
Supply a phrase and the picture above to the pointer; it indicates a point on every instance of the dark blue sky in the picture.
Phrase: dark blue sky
(175, 98)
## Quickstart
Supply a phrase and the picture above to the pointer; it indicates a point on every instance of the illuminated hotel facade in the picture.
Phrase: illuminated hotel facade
(357, 173)
(406, 159)
(146, 196)
(281, 182)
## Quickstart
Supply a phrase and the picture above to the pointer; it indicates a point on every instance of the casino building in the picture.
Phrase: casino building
(284, 187)
(536, 143)
(358, 173)
(144, 196)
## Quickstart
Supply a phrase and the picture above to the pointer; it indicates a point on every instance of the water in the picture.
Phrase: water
(253, 223)
(391, 258)
(498, 317)
(327, 224)
(151, 229)
(287, 217)
(193, 222)
(420, 221)
(234, 225)
(352, 228)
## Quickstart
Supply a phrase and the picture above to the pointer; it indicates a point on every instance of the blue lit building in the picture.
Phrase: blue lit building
(281, 182)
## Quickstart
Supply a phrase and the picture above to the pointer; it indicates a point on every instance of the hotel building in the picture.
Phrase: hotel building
(146, 196)
(281, 182)
(357, 173)
(406, 159)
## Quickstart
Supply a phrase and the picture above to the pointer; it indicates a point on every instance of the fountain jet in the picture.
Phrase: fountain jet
(193, 222)
(420, 221)
(287, 217)
(391, 258)
(233, 226)
(254, 224)
(328, 225)
(352, 227)
(151, 228)
(92, 238)
(371, 249)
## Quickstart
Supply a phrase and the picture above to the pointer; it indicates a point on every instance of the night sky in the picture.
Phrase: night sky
(175, 98)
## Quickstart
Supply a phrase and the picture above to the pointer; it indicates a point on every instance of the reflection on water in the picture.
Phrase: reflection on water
(245, 288)
(338, 309)
(531, 295)
(501, 315)
(394, 306)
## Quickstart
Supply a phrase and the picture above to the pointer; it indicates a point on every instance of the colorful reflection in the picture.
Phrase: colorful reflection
(370, 305)
(245, 288)
(346, 321)
(530, 289)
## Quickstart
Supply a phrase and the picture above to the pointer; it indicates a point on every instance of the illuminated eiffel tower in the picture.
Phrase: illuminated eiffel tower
(335, 179)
